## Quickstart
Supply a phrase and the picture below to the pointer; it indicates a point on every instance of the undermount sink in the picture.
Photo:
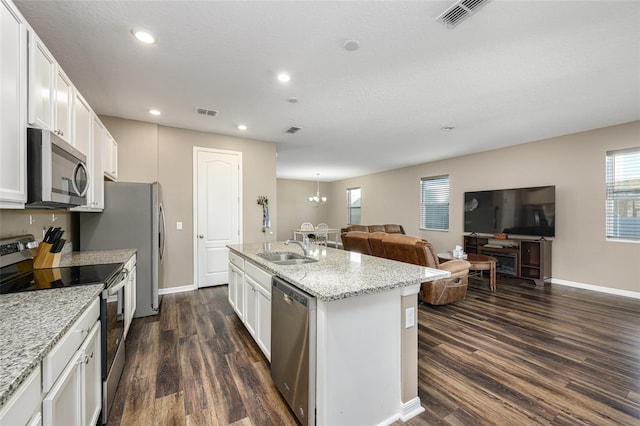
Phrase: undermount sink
(286, 258)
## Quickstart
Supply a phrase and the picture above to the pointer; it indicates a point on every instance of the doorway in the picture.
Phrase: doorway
(217, 206)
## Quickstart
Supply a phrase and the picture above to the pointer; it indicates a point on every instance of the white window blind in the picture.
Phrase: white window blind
(354, 205)
(434, 203)
(623, 194)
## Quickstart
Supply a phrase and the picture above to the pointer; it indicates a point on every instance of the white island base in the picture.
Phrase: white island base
(367, 359)
(366, 328)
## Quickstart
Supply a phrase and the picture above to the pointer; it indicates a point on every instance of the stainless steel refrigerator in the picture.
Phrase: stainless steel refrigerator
(133, 217)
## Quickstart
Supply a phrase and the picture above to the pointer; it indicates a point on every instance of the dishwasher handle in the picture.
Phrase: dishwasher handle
(292, 294)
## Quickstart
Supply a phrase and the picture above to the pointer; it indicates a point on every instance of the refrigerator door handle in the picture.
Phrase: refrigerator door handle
(163, 232)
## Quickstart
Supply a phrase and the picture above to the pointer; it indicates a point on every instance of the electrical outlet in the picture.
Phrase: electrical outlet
(409, 317)
(179, 226)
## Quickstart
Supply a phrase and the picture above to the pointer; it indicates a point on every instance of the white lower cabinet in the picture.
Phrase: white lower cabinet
(63, 404)
(92, 377)
(76, 397)
(250, 296)
(263, 315)
(236, 284)
(71, 374)
(250, 317)
(24, 407)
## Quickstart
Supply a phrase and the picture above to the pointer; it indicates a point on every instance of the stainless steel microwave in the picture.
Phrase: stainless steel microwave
(57, 174)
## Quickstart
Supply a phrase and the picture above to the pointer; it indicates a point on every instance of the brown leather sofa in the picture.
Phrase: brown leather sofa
(409, 249)
(390, 228)
(406, 248)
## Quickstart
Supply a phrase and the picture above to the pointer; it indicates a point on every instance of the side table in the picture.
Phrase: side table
(479, 262)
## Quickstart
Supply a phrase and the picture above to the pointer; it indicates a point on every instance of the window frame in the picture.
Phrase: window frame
(615, 193)
(349, 208)
(424, 205)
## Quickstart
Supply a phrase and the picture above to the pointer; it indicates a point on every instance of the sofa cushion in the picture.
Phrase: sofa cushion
(375, 242)
(393, 229)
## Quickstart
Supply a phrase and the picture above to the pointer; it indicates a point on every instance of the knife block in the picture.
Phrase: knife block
(44, 258)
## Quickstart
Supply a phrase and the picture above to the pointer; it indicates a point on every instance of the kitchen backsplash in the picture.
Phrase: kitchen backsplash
(20, 222)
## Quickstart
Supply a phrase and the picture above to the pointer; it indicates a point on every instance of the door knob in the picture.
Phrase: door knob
(201, 236)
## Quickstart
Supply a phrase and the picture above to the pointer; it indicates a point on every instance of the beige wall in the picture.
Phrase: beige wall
(147, 152)
(137, 148)
(575, 164)
(16, 222)
(294, 207)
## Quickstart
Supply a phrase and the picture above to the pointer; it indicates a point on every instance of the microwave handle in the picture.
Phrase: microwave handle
(73, 181)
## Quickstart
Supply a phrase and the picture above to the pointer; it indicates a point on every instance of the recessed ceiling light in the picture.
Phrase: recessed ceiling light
(447, 128)
(242, 127)
(351, 45)
(154, 112)
(284, 77)
(143, 36)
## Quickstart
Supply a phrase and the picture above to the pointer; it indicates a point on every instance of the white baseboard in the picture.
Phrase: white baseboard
(180, 289)
(618, 292)
(410, 409)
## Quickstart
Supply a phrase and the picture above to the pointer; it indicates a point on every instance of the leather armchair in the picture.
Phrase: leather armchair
(405, 248)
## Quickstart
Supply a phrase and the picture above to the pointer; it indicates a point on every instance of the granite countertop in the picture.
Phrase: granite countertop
(339, 274)
(96, 257)
(31, 323)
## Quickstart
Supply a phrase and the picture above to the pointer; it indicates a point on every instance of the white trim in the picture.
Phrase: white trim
(616, 291)
(178, 289)
(410, 409)
(622, 240)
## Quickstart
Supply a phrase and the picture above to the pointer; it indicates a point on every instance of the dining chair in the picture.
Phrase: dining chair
(322, 234)
(308, 226)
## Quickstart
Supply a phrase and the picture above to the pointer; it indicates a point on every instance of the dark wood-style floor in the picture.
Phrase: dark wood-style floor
(523, 355)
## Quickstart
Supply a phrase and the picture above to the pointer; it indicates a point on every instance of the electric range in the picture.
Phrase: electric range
(17, 274)
(21, 277)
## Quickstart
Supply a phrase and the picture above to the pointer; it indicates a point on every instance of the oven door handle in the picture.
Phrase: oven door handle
(121, 283)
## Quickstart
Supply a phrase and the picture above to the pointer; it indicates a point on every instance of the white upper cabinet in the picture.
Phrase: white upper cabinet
(42, 80)
(82, 126)
(13, 107)
(110, 157)
(99, 136)
(63, 107)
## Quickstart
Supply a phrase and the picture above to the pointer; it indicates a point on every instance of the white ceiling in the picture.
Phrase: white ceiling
(516, 71)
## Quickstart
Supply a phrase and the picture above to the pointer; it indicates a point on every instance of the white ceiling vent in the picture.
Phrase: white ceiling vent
(460, 11)
(209, 112)
(292, 129)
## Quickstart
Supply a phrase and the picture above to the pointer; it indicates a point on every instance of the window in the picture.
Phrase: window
(623, 194)
(354, 206)
(434, 203)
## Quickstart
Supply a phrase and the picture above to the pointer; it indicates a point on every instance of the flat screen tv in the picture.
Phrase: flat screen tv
(518, 211)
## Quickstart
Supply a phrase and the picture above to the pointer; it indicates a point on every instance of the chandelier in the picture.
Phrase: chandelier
(317, 200)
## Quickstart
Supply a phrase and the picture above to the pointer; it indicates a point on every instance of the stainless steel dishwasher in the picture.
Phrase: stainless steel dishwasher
(293, 348)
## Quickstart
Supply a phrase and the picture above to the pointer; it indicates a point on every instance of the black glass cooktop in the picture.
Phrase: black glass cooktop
(22, 277)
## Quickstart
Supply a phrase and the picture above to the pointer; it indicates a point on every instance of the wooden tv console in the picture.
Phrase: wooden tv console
(530, 259)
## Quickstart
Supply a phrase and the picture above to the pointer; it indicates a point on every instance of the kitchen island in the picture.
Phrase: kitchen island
(366, 329)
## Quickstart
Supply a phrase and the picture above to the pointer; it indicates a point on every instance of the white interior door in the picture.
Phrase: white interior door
(218, 206)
